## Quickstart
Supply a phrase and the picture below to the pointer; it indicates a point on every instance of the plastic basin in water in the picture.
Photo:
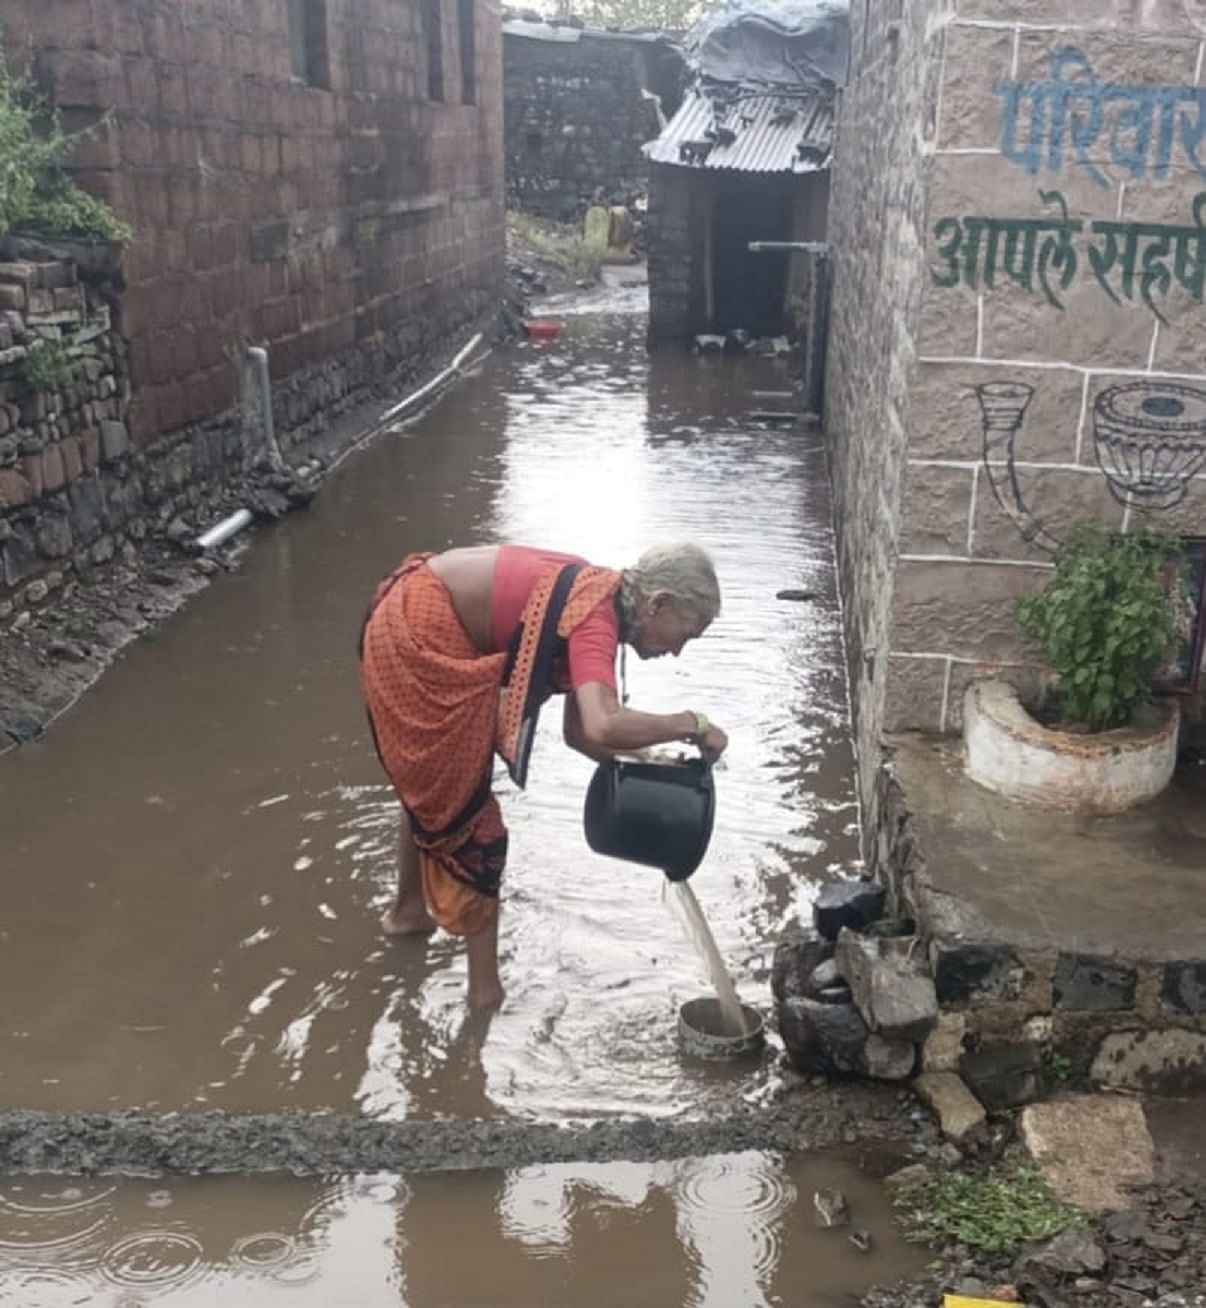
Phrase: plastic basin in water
(701, 1031)
(543, 329)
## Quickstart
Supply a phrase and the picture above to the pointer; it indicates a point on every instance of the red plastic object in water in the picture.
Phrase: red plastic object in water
(543, 329)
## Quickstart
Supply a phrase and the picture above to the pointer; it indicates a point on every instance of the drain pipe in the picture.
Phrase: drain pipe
(256, 379)
(414, 400)
(222, 531)
(440, 380)
(257, 356)
(256, 403)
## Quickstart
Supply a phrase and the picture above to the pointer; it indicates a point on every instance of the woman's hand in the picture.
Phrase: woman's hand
(713, 744)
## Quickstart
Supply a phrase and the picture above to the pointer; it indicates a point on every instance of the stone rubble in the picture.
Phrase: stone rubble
(853, 995)
(1150, 1255)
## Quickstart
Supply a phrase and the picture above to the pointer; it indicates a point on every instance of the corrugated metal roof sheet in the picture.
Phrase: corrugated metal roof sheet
(755, 133)
(565, 34)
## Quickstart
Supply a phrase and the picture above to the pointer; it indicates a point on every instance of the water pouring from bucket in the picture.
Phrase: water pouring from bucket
(660, 815)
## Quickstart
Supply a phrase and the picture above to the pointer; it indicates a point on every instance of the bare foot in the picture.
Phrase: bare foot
(408, 922)
(486, 999)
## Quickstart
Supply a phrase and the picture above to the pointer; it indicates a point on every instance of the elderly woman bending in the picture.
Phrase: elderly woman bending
(458, 653)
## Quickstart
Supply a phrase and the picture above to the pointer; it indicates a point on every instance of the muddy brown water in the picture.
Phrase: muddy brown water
(716, 1232)
(196, 857)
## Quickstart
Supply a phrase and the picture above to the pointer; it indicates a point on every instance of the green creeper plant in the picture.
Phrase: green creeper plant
(47, 366)
(997, 1210)
(1107, 619)
(36, 194)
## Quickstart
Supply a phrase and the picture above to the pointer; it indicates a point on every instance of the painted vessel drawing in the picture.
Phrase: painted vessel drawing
(1149, 439)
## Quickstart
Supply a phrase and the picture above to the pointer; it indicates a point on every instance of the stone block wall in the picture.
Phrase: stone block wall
(1135, 1023)
(576, 118)
(332, 219)
(64, 394)
(674, 252)
(882, 161)
(1061, 371)
(1020, 200)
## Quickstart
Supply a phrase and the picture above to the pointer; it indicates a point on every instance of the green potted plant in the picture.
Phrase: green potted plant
(1108, 621)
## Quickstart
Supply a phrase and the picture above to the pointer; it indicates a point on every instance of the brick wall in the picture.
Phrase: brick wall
(575, 123)
(883, 158)
(317, 221)
(354, 227)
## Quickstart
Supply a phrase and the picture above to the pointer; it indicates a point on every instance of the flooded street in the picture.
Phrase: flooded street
(197, 857)
(715, 1232)
(207, 840)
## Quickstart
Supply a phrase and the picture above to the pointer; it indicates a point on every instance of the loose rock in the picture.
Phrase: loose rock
(1091, 1149)
(889, 1060)
(960, 1113)
(832, 1208)
(944, 1045)
(825, 1038)
(1004, 1075)
(894, 995)
(797, 957)
(853, 904)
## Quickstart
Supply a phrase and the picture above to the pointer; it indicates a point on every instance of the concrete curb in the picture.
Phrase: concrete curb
(307, 1144)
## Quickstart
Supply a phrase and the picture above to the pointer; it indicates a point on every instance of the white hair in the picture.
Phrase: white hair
(680, 569)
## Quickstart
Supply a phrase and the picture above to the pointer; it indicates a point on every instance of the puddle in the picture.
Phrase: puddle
(715, 1232)
(196, 857)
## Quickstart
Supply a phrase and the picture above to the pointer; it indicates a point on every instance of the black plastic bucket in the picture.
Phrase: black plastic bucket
(656, 814)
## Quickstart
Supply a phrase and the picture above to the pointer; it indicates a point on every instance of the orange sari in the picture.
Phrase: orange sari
(439, 709)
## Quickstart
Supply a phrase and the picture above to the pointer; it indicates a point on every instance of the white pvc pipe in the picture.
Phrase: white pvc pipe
(440, 380)
(225, 529)
(459, 362)
(259, 357)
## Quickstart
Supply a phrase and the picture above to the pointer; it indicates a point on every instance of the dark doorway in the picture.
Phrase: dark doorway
(749, 290)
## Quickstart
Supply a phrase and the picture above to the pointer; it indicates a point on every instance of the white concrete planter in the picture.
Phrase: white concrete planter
(1006, 750)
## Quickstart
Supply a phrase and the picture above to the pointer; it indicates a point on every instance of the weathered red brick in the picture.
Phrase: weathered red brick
(184, 351)
(212, 340)
(73, 460)
(172, 95)
(89, 446)
(54, 475)
(229, 106)
(15, 489)
(92, 78)
(166, 300)
(142, 417)
(210, 393)
(165, 35)
(31, 467)
(142, 84)
(278, 318)
(139, 143)
(172, 411)
(227, 290)
(126, 29)
(160, 357)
